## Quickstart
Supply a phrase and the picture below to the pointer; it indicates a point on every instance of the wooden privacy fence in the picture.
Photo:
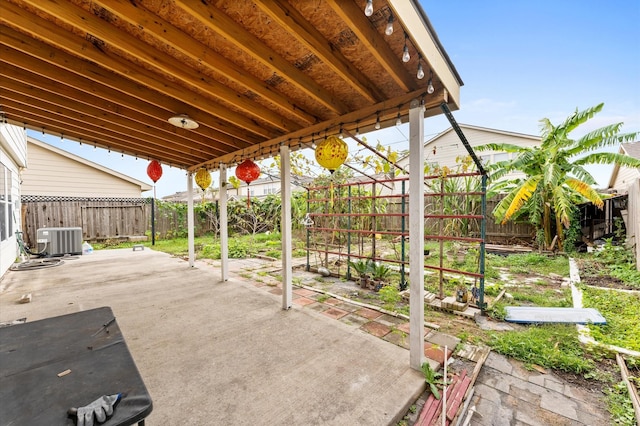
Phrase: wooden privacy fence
(510, 232)
(632, 221)
(99, 218)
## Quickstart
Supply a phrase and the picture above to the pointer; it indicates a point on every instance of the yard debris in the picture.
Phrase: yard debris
(26, 298)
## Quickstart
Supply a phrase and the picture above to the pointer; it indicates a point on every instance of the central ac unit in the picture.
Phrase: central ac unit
(59, 241)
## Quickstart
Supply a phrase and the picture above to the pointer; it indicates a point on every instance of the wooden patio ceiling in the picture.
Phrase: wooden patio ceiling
(253, 74)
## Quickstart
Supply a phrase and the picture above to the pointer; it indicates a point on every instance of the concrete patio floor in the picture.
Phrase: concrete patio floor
(224, 353)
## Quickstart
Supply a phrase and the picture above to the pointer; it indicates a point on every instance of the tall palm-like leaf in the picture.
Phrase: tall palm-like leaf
(555, 177)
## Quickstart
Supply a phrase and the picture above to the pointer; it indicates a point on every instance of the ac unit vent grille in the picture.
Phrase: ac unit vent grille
(60, 241)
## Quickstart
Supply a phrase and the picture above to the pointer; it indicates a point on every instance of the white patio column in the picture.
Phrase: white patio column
(224, 234)
(416, 235)
(190, 220)
(286, 227)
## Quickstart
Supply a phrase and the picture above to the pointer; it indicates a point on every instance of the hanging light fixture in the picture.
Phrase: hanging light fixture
(398, 119)
(389, 29)
(377, 126)
(430, 88)
(183, 121)
(406, 57)
(368, 9)
(420, 73)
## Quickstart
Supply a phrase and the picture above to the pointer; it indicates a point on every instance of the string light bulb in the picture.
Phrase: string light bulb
(398, 120)
(368, 9)
(357, 128)
(430, 88)
(389, 30)
(420, 73)
(406, 57)
(377, 126)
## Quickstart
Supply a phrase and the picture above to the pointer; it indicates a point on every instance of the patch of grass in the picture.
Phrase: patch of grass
(547, 298)
(553, 346)
(619, 405)
(621, 310)
(528, 263)
(323, 298)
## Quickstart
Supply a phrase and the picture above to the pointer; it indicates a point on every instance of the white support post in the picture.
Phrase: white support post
(416, 235)
(286, 227)
(190, 220)
(224, 234)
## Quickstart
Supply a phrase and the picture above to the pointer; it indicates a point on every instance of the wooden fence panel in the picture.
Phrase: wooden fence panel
(633, 220)
(99, 218)
(495, 232)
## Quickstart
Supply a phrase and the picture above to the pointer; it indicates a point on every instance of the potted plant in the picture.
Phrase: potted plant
(362, 270)
(379, 273)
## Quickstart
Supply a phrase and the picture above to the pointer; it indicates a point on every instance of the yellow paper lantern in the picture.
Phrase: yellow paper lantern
(203, 178)
(331, 153)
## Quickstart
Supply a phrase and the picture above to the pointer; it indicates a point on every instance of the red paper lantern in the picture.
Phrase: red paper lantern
(154, 171)
(248, 171)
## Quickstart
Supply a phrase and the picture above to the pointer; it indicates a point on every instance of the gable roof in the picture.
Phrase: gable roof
(483, 129)
(477, 128)
(143, 186)
(631, 149)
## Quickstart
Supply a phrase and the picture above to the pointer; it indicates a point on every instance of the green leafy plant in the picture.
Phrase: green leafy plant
(619, 405)
(390, 296)
(621, 310)
(555, 178)
(380, 271)
(433, 379)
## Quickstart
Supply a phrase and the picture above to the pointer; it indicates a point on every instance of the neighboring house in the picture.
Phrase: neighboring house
(13, 158)
(63, 190)
(445, 148)
(625, 180)
(55, 172)
(623, 177)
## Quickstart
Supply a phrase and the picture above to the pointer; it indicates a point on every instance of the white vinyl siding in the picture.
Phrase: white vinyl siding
(625, 177)
(13, 148)
(446, 147)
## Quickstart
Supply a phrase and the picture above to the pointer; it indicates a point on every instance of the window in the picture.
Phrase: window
(6, 205)
(267, 191)
(502, 156)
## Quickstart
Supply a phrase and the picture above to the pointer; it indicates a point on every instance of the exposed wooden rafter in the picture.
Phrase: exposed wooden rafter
(253, 75)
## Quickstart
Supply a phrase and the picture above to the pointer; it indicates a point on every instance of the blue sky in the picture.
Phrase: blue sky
(520, 61)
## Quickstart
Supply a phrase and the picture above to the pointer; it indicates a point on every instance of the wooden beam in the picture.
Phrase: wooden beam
(432, 102)
(31, 54)
(39, 28)
(71, 111)
(290, 19)
(71, 96)
(243, 40)
(373, 42)
(168, 34)
(49, 123)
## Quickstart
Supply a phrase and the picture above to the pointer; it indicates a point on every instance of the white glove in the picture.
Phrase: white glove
(101, 408)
